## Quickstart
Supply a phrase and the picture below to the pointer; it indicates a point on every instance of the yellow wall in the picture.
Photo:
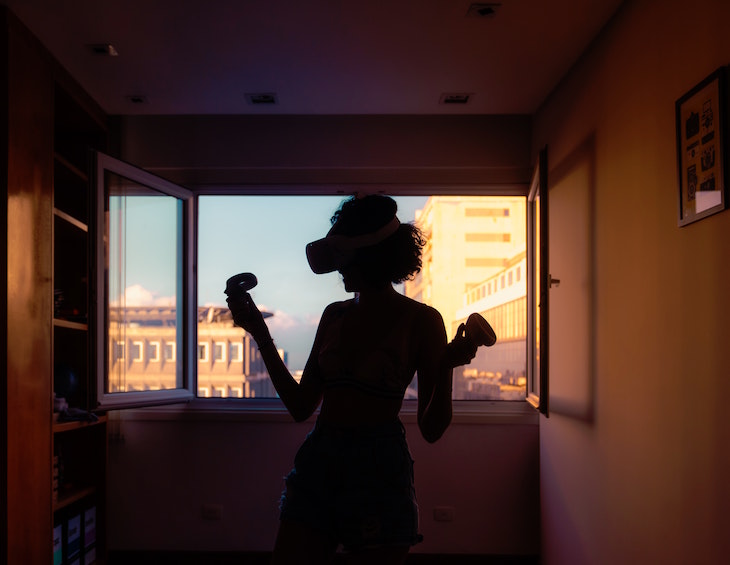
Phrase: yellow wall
(635, 458)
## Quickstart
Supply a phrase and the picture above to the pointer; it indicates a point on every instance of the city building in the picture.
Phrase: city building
(474, 260)
(143, 348)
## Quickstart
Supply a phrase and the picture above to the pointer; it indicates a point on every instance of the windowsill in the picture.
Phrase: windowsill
(271, 410)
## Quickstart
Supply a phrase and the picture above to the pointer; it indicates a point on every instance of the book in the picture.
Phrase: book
(90, 535)
(73, 540)
(58, 544)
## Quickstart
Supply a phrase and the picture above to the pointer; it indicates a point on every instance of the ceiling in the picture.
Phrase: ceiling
(316, 56)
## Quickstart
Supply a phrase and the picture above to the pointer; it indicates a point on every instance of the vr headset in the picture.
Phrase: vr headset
(333, 252)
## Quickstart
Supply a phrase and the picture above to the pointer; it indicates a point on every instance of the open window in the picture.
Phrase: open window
(539, 285)
(164, 255)
(144, 287)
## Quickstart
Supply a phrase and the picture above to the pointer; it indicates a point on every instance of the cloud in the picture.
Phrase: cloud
(137, 295)
(284, 321)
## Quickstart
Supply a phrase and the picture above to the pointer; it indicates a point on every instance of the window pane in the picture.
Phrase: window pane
(144, 287)
(473, 261)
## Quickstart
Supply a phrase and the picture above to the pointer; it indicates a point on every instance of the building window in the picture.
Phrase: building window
(153, 352)
(488, 237)
(203, 349)
(135, 351)
(236, 352)
(117, 351)
(219, 351)
(169, 351)
(486, 212)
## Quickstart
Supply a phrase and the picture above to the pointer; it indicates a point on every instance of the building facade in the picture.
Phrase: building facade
(143, 353)
(474, 260)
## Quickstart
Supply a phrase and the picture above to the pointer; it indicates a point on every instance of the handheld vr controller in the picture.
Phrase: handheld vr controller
(478, 331)
(240, 284)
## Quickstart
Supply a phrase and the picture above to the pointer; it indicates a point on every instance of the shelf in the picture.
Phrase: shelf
(59, 427)
(71, 167)
(71, 189)
(70, 324)
(70, 219)
(79, 447)
(68, 497)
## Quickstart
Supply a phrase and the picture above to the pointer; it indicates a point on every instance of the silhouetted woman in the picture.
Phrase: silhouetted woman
(352, 481)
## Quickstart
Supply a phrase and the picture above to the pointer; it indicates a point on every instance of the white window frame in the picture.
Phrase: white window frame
(465, 411)
(113, 400)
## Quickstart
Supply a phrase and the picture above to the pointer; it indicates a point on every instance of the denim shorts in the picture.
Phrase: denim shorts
(356, 485)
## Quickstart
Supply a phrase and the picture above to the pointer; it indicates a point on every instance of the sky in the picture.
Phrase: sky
(265, 235)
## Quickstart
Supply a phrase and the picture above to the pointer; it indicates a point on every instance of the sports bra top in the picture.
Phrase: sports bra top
(383, 368)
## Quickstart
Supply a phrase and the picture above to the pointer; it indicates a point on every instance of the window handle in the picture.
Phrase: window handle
(553, 282)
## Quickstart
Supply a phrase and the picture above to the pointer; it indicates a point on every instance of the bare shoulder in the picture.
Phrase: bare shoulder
(336, 308)
(426, 318)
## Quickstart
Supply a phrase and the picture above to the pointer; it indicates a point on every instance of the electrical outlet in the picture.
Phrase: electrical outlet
(212, 512)
(443, 513)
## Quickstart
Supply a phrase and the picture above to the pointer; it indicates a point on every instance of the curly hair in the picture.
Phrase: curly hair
(395, 259)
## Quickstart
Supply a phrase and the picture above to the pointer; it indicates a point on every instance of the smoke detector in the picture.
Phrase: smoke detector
(136, 99)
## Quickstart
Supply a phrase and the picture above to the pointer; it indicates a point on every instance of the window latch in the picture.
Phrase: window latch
(553, 282)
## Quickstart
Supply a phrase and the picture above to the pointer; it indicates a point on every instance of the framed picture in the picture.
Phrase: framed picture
(700, 123)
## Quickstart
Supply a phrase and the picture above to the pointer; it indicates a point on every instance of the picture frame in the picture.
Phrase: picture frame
(700, 117)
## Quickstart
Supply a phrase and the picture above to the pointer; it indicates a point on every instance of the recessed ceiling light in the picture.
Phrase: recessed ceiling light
(482, 9)
(106, 49)
(456, 98)
(262, 98)
(137, 98)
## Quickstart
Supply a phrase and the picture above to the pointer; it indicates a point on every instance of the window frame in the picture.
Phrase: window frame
(138, 398)
(537, 288)
(465, 411)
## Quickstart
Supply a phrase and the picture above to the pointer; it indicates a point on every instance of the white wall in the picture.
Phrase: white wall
(634, 458)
